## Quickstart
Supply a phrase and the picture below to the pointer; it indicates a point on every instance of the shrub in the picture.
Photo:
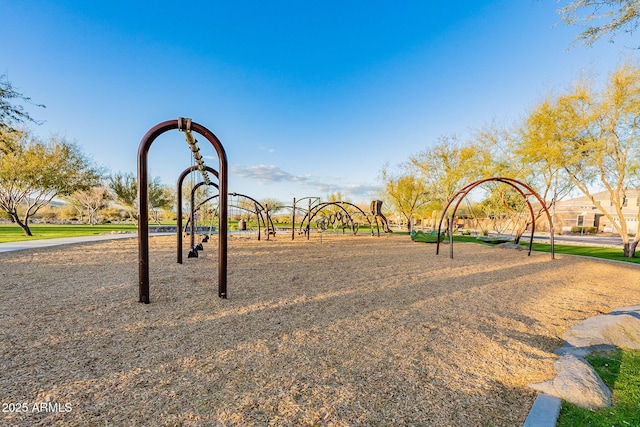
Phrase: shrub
(584, 230)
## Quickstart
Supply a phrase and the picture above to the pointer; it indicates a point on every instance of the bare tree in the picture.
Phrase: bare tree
(91, 201)
(601, 18)
(11, 114)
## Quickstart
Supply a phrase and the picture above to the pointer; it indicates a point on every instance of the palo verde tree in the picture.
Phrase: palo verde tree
(33, 172)
(511, 157)
(274, 205)
(161, 198)
(124, 187)
(595, 138)
(406, 192)
(450, 165)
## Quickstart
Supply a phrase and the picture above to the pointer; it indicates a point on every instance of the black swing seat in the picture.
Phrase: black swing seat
(496, 238)
(422, 237)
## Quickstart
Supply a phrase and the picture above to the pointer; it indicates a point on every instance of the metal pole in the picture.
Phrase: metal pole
(308, 222)
(143, 227)
(143, 206)
(266, 212)
(293, 220)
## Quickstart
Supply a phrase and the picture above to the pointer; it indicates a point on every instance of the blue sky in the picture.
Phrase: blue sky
(308, 98)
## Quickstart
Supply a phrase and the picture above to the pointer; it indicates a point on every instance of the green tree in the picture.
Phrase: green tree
(34, 172)
(337, 196)
(11, 114)
(594, 138)
(274, 205)
(601, 17)
(406, 192)
(124, 187)
(513, 157)
(504, 210)
(125, 191)
(450, 165)
(161, 198)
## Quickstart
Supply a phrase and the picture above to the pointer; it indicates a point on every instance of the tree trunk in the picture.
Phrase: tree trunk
(24, 225)
(630, 249)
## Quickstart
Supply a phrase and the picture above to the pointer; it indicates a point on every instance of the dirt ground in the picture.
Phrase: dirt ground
(354, 330)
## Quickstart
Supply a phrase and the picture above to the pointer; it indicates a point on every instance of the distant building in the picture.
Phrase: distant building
(581, 212)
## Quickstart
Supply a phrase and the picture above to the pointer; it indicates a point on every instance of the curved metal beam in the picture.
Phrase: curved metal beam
(518, 186)
(181, 179)
(316, 209)
(143, 202)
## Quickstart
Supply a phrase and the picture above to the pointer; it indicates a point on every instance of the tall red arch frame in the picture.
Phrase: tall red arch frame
(143, 202)
(522, 188)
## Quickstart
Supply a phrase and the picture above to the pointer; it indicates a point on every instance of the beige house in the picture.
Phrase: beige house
(581, 212)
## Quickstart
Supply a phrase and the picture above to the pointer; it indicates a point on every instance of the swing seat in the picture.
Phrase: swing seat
(422, 237)
(498, 238)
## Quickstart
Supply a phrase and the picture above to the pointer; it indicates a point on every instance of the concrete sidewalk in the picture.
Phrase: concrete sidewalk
(32, 244)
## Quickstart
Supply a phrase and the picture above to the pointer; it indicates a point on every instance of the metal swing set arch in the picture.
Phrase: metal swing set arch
(191, 219)
(187, 126)
(523, 189)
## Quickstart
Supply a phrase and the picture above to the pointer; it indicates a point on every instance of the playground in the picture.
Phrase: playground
(350, 330)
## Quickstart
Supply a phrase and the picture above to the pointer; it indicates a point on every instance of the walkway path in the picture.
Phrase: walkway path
(32, 244)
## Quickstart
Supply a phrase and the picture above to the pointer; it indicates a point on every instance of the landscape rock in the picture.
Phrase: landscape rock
(620, 328)
(576, 383)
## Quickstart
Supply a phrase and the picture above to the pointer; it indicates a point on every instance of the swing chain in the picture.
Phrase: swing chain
(184, 125)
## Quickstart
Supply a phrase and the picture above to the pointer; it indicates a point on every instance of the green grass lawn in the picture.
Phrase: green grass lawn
(614, 254)
(620, 370)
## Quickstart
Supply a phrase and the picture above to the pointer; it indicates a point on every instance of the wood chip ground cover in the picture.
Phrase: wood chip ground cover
(353, 330)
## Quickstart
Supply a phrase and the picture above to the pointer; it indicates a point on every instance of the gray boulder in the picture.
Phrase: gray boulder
(620, 328)
(576, 383)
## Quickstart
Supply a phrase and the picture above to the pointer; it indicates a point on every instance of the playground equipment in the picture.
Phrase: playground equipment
(181, 179)
(236, 201)
(376, 211)
(261, 212)
(421, 236)
(186, 126)
(523, 189)
(312, 201)
(193, 253)
(337, 215)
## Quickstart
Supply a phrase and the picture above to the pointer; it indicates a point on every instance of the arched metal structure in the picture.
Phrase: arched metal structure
(522, 188)
(181, 179)
(311, 201)
(258, 210)
(192, 214)
(316, 209)
(143, 198)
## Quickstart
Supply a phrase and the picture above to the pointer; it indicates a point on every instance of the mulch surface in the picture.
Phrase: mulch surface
(353, 330)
